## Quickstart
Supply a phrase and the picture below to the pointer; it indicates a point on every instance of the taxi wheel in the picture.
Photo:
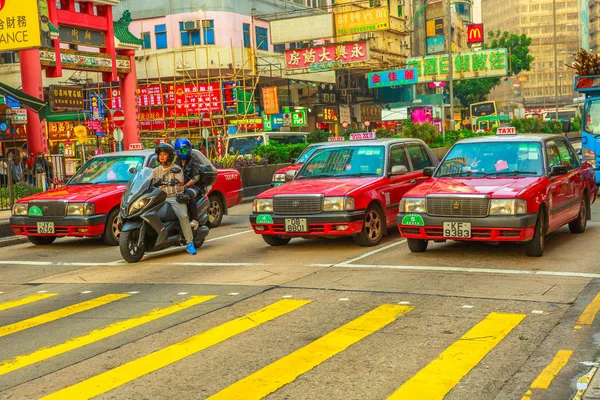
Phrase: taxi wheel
(417, 245)
(215, 211)
(579, 225)
(535, 247)
(112, 229)
(276, 240)
(41, 240)
(373, 228)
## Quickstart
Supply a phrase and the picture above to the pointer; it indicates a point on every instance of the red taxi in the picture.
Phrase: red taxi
(350, 189)
(279, 175)
(89, 204)
(515, 188)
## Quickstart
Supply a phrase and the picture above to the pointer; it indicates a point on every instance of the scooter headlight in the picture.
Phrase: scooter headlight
(139, 204)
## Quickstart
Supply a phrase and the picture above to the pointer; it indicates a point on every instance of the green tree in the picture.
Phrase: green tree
(517, 46)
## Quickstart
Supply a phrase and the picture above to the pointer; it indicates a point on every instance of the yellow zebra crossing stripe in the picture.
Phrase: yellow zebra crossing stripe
(116, 377)
(288, 368)
(99, 334)
(548, 374)
(442, 374)
(25, 300)
(589, 314)
(58, 314)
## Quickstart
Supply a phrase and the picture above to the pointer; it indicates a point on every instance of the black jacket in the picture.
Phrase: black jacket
(191, 171)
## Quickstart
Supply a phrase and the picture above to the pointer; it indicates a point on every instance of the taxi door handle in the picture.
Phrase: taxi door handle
(413, 181)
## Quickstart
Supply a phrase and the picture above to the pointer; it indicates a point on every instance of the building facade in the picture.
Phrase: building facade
(536, 88)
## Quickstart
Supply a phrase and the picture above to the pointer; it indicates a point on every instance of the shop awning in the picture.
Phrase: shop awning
(65, 116)
(33, 103)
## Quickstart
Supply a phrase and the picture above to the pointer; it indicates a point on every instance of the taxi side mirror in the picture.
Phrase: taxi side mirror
(133, 170)
(558, 170)
(398, 170)
(289, 175)
(293, 160)
(428, 171)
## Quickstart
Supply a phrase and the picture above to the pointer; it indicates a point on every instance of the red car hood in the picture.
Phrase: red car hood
(327, 186)
(497, 187)
(293, 167)
(77, 193)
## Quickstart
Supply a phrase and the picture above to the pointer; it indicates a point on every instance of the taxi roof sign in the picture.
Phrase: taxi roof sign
(336, 139)
(363, 136)
(506, 130)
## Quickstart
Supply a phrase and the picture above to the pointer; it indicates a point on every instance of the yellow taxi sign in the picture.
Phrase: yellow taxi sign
(21, 25)
(506, 130)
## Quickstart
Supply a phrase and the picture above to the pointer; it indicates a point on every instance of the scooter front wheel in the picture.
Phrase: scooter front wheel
(128, 245)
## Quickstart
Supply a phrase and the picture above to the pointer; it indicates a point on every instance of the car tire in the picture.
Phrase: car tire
(216, 209)
(41, 240)
(272, 240)
(112, 230)
(579, 224)
(373, 228)
(535, 247)
(417, 245)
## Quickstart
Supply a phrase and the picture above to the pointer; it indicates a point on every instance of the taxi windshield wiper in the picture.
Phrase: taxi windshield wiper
(464, 173)
(316, 176)
(514, 172)
(360, 174)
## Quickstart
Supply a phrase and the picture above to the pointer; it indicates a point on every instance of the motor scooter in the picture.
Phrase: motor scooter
(149, 222)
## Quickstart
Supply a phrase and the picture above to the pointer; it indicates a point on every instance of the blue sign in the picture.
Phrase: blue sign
(273, 121)
(436, 44)
(96, 107)
(397, 77)
(3, 126)
(12, 102)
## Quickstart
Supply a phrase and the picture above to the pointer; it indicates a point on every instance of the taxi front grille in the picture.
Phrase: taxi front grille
(50, 208)
(458, 206)
(301, 205)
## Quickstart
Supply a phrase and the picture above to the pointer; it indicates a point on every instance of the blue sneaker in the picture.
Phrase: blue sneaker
(191, 249)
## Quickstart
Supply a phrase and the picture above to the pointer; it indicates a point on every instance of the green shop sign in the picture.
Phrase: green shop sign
(467, 65)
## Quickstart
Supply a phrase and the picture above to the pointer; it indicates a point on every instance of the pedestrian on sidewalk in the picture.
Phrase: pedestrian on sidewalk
(16, 170)
(30, 171)
(42, 170)
(3, 173)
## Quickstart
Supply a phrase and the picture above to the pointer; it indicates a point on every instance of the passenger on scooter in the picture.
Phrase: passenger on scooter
(165, 155)
(192, 175)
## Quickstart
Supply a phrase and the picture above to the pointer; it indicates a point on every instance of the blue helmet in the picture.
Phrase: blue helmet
(183, 147)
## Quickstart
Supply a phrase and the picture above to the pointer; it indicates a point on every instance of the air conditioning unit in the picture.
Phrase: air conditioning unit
(365, 36)
(401, 2)
(191, 25)
(206, 23)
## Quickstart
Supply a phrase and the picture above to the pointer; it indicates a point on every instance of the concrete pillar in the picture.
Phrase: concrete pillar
(128, 85)
(31, 76)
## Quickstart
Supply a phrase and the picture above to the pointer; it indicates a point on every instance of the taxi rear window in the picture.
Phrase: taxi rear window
(493, 158)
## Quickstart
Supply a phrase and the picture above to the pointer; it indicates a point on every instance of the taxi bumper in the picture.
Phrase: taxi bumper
(92, 225)
(516, 228)
(326, 224)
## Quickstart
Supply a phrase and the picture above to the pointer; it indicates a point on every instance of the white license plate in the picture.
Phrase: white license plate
(45, 227)
(296, 225)
(457, 230)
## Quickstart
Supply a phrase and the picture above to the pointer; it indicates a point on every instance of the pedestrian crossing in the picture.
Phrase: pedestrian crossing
(434, 381)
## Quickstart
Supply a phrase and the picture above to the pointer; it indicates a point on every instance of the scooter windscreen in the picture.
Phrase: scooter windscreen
(140, 183)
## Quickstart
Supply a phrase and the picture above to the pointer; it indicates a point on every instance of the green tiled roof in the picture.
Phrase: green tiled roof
(53, 28)
(122, 33)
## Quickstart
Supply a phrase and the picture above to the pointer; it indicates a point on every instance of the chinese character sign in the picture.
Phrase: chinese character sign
(149, 96)
(475, 33)
(467, 65)
(369, 20)
(396, 77)
(19, 25)
(66, 98)
(335, 53)
(270, 100)
(82, 36)
(96, 107)
(326, 114)
(194, 99)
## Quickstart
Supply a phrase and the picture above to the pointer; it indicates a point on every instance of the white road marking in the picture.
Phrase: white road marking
(228, 236)
(232, 294)
(344, 299)
(537, 312)
(463, 269)
(86, 292)
(182, 293)
(40, 263)
(202, 264)
(467, 306)
(404, 303)
(43, 291)
(370, 253)
(288, 296)
(133, 292)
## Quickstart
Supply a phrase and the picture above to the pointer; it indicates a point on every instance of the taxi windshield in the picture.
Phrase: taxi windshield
(344, 162)
(106, 170)
(306, 153)
(489, 159)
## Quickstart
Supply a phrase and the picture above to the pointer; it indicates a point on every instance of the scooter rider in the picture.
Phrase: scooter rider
(192, 175)
(165, 155)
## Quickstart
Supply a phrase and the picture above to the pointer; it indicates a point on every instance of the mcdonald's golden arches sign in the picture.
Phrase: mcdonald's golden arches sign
(475, 33)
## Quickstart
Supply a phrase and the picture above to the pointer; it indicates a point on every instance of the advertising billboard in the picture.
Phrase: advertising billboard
(435, 44)
(475, 33)
(332, 56)
(369, 20)
(292, 30)
(20, 25)
(395, 77)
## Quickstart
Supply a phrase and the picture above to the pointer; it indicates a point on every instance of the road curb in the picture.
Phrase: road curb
(13, 240)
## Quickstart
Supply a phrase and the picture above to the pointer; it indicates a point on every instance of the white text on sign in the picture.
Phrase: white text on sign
(506, 130)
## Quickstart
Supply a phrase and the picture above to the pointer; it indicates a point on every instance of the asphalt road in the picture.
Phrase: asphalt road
(316, 319)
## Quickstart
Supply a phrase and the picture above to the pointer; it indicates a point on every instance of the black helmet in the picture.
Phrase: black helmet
(165, 148)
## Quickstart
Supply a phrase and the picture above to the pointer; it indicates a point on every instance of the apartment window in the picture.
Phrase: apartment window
(534, 7)
(247, 42)
(279, 48)
(208, 30)
(146, 39)
(190, 33)
(375, 3)
(262, 40)
(9, 57)
(160, 34)
(547, 6)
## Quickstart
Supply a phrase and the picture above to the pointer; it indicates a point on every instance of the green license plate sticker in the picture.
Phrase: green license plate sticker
(35, 211)
(277, 184)
(264, 219)
(413, 219)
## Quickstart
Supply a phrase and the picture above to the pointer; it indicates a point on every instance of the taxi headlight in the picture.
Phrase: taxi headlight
(338, 204)
(414, 205)
(20, 209)
(262, 205)
(278, 177)
(80, 209)
(508, 207)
